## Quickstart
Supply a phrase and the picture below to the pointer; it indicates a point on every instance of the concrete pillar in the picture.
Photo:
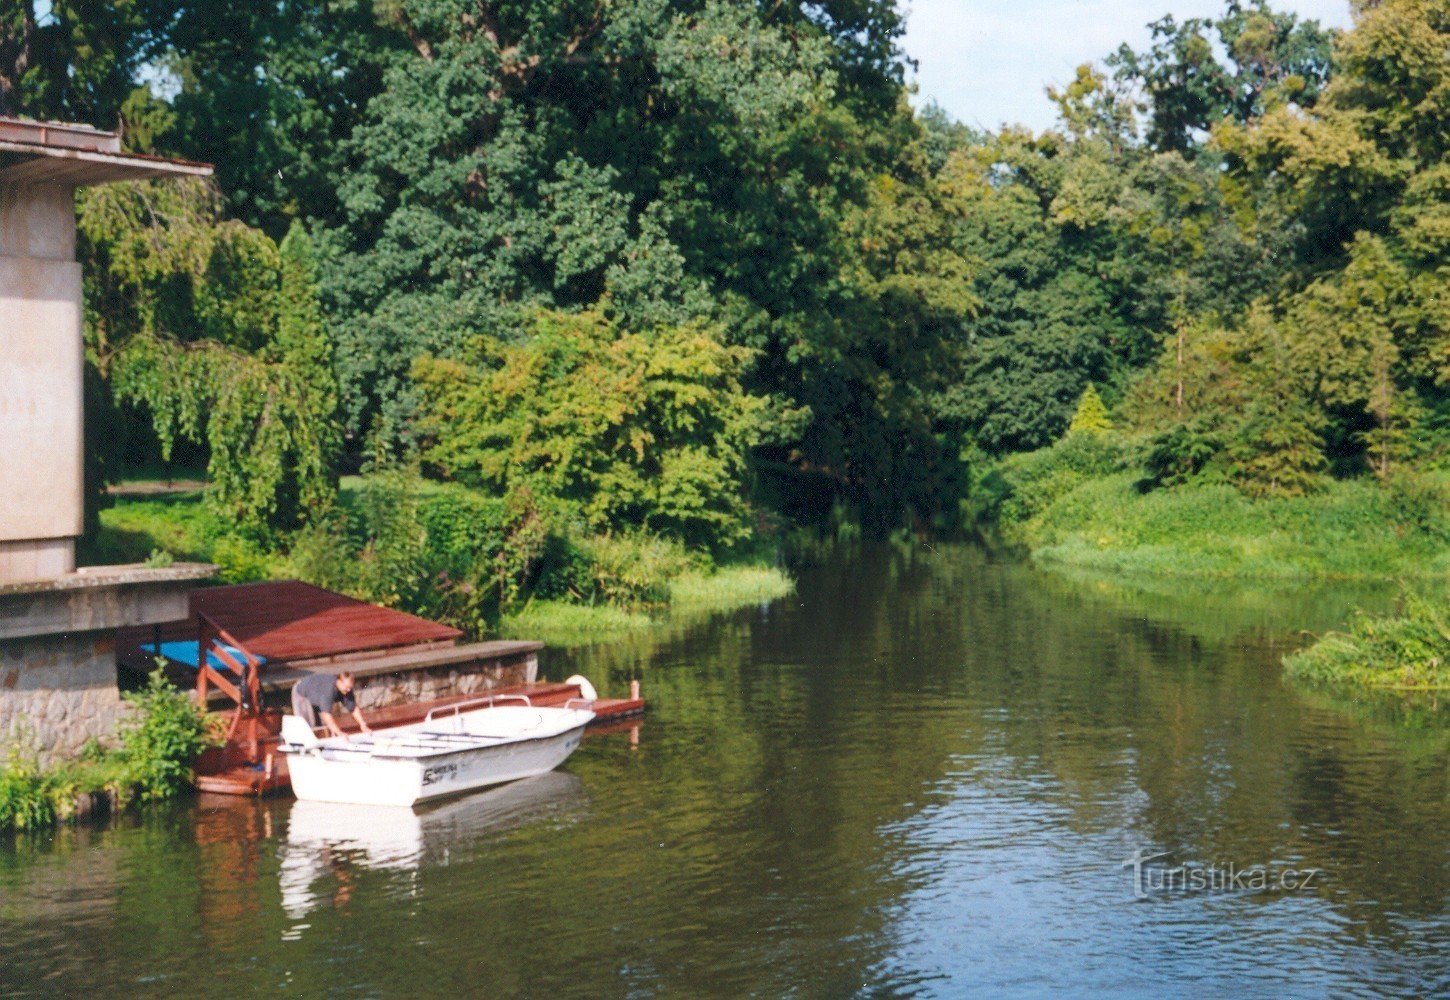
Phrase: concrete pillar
(41, 370)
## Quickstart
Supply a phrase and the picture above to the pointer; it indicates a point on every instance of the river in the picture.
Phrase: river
(921, 774)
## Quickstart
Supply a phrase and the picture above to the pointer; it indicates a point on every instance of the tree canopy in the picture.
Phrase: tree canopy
(645, 257)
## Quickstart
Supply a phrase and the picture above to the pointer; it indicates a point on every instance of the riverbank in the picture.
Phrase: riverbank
(1408, 650)
(727, 588)
(151, 761)
(457, 556)
(1069, 511)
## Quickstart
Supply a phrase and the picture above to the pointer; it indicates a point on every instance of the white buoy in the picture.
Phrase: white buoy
(586, 690)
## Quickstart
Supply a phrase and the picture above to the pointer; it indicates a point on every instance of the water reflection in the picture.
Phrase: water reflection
(328, 843)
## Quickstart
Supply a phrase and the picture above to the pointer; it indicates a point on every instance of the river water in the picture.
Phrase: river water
(922, 774)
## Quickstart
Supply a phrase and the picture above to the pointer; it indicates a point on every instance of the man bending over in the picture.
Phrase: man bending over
(313, 697)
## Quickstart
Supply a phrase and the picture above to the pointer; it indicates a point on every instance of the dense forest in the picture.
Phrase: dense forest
(576, 280)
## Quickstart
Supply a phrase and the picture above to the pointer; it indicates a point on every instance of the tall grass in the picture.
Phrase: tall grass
(729, 587)
(1348, 530)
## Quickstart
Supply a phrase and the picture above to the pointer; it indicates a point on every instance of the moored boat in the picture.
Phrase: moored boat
(453, 750)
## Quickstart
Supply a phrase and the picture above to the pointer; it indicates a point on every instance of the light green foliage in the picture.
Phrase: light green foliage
(729, 587)
(1409, 650)
(252, 414)
(159, 742)
(219, 335)
(303, 349)
(632, 430)
(25, 802)
(1342, 369)
(1091, 416)
(161, 260)
(1345, 530)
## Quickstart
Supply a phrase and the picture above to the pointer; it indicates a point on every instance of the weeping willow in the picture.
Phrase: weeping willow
(218, 333)
(269, 465)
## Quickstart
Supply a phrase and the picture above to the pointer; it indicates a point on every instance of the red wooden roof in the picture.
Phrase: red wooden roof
(292, 620)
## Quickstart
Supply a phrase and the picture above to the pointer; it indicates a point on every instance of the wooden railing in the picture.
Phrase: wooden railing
(245, 686)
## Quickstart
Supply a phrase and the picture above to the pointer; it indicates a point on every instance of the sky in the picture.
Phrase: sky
(987, 61)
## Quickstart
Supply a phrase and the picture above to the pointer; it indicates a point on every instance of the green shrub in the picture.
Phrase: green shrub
(162, 740)
(25, 802)
(1022, 486)
(1418, 504)
(636, 570)
(1406, 650)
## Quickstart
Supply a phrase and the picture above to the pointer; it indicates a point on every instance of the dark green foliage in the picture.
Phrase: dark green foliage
(757, 267)
(1200, 71)
(1178, 454)
(75, 60)
(1022, 486)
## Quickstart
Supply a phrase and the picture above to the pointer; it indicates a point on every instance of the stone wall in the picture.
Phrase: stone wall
(58, 650)
(57, 692)
(432, 683)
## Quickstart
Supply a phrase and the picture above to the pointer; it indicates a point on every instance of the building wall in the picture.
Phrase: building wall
(57, 692)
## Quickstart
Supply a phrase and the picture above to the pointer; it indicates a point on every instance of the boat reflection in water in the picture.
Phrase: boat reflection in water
(338, 839)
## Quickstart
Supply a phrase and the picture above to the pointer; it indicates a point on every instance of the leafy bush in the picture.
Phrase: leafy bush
(1418, 504)
(1174, 456)
(1407, 650)
(163, 738)
(630, 430)
(634, 570)
(25, 802)
(1022, 486)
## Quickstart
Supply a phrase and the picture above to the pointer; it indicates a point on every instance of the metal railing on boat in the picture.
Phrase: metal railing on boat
(490, 700)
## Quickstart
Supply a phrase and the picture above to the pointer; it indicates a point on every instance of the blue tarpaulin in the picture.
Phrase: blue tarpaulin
(184, 651)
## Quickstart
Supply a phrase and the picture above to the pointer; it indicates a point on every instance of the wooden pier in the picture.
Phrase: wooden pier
(245, 646)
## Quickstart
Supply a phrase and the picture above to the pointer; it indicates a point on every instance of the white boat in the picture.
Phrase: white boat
(454, 749)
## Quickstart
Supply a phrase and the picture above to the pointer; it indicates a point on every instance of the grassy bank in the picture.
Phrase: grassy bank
(1406, 651)
(458, 556)
(721, 589)
(1072, 505)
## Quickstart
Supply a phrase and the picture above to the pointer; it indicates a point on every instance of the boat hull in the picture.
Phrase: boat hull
(408, 781)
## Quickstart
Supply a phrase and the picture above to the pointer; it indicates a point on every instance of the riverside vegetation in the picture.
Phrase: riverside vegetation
(158, 742)
(602, 297)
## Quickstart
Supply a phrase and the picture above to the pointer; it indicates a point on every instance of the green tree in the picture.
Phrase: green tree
(631, 430)
(1091, 416)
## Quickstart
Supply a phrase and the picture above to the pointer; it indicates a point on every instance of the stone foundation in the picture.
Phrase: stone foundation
(58, 692)
(432, 683)
(58, 651)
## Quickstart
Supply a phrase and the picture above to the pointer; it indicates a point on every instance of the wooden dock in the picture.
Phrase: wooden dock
(259, 769)
(245, 646)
